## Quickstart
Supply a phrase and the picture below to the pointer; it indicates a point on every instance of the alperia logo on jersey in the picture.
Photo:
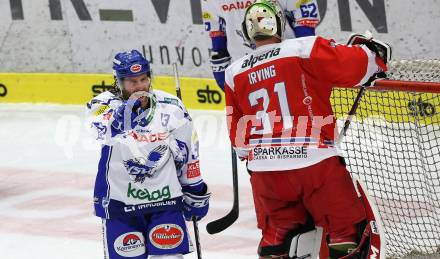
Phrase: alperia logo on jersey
(252, 60)
(145, 194)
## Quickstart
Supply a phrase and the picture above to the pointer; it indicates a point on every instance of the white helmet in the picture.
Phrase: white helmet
(263, 19)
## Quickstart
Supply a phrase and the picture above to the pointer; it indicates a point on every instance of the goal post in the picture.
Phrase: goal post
(393, 146)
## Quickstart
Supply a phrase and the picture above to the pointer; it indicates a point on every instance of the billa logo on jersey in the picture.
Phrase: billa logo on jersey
(135, 68)
(193, 170)
(252, 60)
(130, 244)
(166, 236)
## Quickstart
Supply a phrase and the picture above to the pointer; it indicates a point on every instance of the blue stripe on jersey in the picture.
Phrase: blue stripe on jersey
(282, 140)
(303, 31)
(102, 187)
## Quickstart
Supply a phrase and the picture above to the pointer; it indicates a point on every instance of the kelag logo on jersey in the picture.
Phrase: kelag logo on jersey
(141, 168)
(252, 60)
(145, 194)
(130, 244)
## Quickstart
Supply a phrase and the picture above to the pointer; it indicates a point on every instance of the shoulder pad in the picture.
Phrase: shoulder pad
(104, 99)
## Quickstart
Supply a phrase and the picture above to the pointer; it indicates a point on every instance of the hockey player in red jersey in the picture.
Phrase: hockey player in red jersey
(280, 119)
(222, 20)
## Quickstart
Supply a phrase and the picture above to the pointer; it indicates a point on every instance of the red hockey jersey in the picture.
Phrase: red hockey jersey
(278, 100)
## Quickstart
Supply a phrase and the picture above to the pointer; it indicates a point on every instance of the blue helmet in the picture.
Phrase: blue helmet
(128, 64)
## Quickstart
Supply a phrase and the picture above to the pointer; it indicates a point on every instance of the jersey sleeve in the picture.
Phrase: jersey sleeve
(236, 122)
(214, 24)
(303, 16)
(341, 65)
(186, 152)
(99, 116)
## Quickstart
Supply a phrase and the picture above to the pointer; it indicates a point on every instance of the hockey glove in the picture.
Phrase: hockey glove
(382, 50)
(196, 205)
(219, 62)
(127, 116)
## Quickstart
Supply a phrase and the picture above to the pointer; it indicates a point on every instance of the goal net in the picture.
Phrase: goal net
(393, 145)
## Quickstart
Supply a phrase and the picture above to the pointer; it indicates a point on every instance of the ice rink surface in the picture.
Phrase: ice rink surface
(48, 164)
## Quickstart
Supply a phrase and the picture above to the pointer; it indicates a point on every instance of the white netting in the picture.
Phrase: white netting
(393, 145)
(415, 70)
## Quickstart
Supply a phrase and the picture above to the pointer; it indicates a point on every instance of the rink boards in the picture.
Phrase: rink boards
(198, 93)
(204, 94)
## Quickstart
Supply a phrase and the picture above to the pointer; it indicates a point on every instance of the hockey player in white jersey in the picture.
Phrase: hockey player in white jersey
(223, 20)
(148, 179)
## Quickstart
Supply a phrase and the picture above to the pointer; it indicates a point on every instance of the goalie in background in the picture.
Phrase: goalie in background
(222, 19)
(280, 119)
(148, 181)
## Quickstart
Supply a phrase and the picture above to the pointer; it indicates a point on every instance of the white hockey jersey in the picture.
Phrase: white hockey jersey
(143, 169)
(226, 16)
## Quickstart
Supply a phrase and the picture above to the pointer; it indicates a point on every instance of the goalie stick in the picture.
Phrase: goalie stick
(351, 113)
(223, 223)
(194, 220)
(384, 52)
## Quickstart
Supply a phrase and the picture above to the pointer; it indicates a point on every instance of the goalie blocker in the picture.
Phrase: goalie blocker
(305, 242)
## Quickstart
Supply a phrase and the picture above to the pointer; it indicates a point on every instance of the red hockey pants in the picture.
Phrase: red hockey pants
(284, 200)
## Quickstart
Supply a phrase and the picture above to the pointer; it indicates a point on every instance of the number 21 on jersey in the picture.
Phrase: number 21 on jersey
(262, 95)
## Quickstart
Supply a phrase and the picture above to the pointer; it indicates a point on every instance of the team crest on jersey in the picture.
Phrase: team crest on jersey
(141, 168)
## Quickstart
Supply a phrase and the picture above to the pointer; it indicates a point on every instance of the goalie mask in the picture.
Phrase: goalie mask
(264, 19)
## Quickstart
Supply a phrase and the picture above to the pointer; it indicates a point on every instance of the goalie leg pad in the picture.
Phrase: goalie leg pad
(372, 243)
(306, 245)
(304, 242)
(375, 246)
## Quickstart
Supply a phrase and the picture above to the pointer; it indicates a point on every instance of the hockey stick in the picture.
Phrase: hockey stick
(223, 223)
(194, 220)
(351, 114)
